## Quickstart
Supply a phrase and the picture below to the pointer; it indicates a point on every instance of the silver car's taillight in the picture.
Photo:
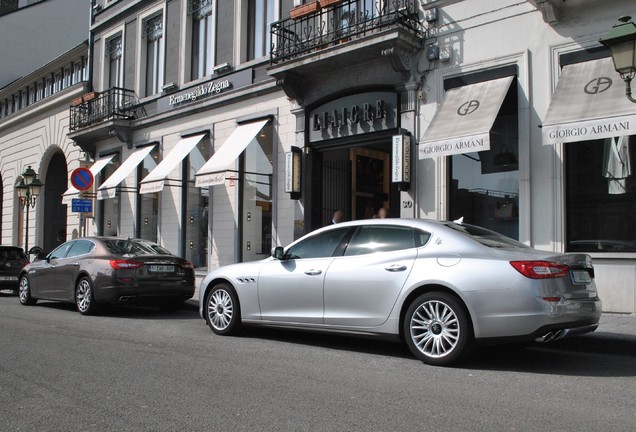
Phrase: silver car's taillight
(540, 269)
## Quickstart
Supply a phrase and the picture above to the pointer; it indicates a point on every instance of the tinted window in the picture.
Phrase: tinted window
(133, 247)
(12, 254)
(81, 247)
(486, 237)
(318, 246)
(376, 238)
(61, 251)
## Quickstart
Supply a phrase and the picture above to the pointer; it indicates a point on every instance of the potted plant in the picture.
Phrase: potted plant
(325, 3)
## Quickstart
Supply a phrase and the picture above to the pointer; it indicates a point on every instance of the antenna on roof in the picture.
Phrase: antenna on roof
(459, 221)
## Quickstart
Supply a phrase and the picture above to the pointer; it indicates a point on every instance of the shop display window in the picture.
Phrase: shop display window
(257, 196)
(109, 208)
(484, 186)
(197, 208)
(600, 195)
(148, 203)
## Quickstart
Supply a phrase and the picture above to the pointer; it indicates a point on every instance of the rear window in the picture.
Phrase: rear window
(135, 247)
(12, 254)
(486, 237)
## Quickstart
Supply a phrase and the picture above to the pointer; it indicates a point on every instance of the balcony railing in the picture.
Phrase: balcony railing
(344, 21)
(115, 103)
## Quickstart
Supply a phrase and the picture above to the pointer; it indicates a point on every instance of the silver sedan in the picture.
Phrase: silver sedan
(442, 287)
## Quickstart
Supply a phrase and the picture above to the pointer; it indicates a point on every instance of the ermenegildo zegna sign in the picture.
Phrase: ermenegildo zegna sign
(205, 90)
(353, 115)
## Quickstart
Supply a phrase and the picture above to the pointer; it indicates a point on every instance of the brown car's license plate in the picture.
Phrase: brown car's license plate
(161, 268)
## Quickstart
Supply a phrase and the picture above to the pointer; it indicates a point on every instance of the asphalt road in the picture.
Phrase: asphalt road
(143, 370)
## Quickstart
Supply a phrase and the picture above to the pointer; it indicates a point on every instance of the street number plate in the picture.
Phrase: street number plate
(580, 277)
(161, 268)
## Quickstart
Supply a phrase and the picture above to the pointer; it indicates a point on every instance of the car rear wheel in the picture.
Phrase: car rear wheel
(437, 329)
(24, 292)
(222, 311)
(84, 298)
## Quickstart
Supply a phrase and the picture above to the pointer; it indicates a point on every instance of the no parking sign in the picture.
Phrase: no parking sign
(82, 178)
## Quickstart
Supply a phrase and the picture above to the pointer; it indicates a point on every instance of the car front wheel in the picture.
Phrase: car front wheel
(24, 292)
(84, 298)
(222, 311)
(437, 329)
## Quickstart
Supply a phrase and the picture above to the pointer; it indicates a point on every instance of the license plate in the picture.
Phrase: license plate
(580, 277)
(161, 268)
(8, 278)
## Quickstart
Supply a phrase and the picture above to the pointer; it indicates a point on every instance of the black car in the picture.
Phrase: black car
(12, 260)
(92, 271)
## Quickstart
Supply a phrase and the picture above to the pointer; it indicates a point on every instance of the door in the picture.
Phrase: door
(291, 290)
(370, 182)
(362, 286)
(44, 277)
(67, 268)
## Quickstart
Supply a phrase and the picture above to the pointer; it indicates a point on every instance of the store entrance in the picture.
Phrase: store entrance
(355, 180)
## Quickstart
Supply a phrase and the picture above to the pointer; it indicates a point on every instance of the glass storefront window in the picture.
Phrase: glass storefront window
(257, 196)
(600, 195)
(109, 223)
(197, 207)
(484, 187)
(148, 203)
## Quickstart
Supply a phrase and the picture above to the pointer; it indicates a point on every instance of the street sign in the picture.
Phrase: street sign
(81, 205)
(82, 178)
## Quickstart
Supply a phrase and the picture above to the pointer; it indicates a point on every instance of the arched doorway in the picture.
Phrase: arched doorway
(55, 184)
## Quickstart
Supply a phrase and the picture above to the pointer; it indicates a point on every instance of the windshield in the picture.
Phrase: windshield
(486, 237)
(135, 247)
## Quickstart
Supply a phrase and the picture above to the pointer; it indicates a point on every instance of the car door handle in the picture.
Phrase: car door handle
(75, 264)
(395, 268)
(313, 272)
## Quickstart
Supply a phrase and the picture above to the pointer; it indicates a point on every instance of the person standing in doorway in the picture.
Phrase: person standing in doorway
(338, 216)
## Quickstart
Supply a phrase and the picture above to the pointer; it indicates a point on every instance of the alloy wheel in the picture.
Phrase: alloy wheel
(220, 309)
(435, 329)
(83, 296)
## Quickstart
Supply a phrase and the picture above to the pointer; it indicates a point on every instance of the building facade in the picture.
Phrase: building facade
(34, 125)
(221, 129)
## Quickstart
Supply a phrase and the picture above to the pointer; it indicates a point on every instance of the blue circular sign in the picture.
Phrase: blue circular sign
(82, 178)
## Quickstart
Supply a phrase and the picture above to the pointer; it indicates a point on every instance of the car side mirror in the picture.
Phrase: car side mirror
(279, 253)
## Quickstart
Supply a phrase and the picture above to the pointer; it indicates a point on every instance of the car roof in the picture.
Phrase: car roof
(12, 248)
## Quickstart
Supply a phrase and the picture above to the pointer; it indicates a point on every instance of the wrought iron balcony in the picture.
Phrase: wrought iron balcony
(339, 23)
(113, 104)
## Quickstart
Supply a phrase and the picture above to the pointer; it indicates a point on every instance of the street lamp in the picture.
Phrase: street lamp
(28, 191)
(621, 41)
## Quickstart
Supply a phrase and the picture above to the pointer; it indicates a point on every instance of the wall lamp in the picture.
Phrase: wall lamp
(621, 41)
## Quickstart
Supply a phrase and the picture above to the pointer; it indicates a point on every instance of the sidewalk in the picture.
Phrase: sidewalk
(617, 324)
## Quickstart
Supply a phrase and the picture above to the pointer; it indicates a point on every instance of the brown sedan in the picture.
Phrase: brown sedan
(92, 271)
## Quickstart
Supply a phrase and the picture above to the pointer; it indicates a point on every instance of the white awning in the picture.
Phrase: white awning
(108, 189)
(214, 170)
(589, 103)
(463, 122)
(97, 167)
(155, 180)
